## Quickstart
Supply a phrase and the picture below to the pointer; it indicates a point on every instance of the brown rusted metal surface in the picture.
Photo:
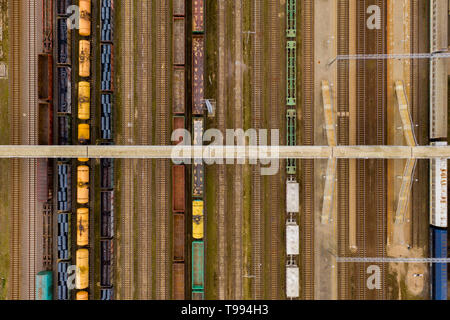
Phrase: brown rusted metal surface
(178, 183)
(198, 16)
(179, 8)
(179, 90)
(178, 281)
(178, 123)
(179, 237)
(45, 80)
(179, 35)
(198, 60)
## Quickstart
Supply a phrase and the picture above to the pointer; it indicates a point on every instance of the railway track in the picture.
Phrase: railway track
(365, 136)
(221, 169)
(14, 25)
(307, 220)
(238, 214)
(127, 192)
(257, 218)
(343, 139)
(162, 166)
(275, 111)
(31, 140)
(144, 269)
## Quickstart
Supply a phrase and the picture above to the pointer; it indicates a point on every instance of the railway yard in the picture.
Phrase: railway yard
(352, 209)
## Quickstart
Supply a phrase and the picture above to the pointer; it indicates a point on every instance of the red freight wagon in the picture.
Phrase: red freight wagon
(179, 35)
(198, 61)
(178, 188)
(179, 97)
(178, 123)
(178, 236)
(45, 77)
(45, 121)
(198, 16)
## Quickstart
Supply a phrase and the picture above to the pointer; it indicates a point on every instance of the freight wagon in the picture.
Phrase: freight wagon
(179, 8)
(82, 295)
(64, 47)
(64, 90)
(106, 117)
(83, 133)
(84, 100)
(107, 294)
(44, 285)
(438, 190)
(82, 227)
(44, 179)
(61, 7)
(197, 74)
(178, 191)
(197, 219)
(64, 192)
(106, 262)
(198, 295)
(45, 77)
(198, 266)
(83, 184)
(64, 130)
(64, 236)
(82, 269)
(107, 214)
(179, 36)
(106, 67)
(45, 120)
(84, 57)
(179, 237)
(197, 179)
(179, 83)
(439, 270)
(178, 123)
(178, 281)
(85, 17)
(198, 16)
(107, 20)
(62, 290)
(107, 173)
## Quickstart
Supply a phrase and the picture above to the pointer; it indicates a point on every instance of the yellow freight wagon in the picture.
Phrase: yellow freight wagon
(83, 184)
(84, 58)
(85, 18)
(84, 100)
(82, 227)
(83, 133)
(82, 295)
(82, 269)
(83, 159)
(197, 219)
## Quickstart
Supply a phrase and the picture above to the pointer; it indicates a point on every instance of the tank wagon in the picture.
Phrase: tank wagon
(83, 133)
(84, 100)
(82, 227)
(44, 285)
(84, 58)
(82, 269)
(82, 295)
(197, 219)
(85, 18)
(83, 184)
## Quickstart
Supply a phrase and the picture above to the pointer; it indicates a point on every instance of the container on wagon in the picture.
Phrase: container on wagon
(292, 196)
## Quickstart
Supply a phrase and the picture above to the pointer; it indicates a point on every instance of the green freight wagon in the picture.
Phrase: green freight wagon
(44, 285)
(198, 274)
(198, 295)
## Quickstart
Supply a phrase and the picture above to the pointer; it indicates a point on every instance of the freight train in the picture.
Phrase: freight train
(198, 184)
(438, 225)
(44, 285)
(179, 171)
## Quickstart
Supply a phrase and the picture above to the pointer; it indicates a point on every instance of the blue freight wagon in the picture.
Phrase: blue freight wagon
(439, 270)
(44, 285)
